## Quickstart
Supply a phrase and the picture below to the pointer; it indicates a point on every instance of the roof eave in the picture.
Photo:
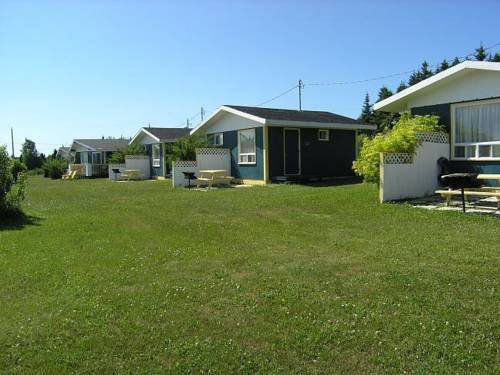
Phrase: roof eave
(398, 102)
(325, 125)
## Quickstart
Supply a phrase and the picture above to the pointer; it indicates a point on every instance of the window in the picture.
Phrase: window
(246, 146)
(156, 155)
(217, 139)
(84, 157)
(96, 158)
(476, 130)
(323, 135)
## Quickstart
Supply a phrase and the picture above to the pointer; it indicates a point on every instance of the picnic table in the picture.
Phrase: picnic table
(212, 177)
(131, 174)
(460, 187)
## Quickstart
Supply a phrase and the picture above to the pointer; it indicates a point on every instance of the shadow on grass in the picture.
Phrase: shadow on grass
(17, 221)
(335, 182)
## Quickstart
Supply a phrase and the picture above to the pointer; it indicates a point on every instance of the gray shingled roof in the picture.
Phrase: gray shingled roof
(168, 134)
(104, 144)
(295, 115)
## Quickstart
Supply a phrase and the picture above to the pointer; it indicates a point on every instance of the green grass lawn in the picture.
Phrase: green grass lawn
(139, 278)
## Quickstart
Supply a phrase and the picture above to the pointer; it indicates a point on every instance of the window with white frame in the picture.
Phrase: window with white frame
(218, 139)
(156, 155)
(246, 146)
(323, 135)
(476, 130)
(96, 158)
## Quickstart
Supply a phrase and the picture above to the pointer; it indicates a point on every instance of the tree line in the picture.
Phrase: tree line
(385, 121)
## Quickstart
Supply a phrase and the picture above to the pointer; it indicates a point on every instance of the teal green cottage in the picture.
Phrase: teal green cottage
(466, 97)
(271, 145)
(156, 140)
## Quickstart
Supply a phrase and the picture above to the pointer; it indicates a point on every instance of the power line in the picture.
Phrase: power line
(394, 74)
(277, 96)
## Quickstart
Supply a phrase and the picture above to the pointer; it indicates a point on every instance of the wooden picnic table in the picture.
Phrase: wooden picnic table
(212, 177)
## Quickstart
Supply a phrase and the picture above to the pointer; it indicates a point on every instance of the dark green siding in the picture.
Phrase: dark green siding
(486, 167)
(250, 171)
(332, 158)
(441, 110)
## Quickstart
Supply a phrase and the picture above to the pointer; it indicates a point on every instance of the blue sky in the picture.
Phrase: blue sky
(84, 69)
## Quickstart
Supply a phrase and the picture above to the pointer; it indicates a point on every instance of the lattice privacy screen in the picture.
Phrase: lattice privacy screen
(136, 157)
(433, 137)
(184, 164)
(212, 151)
(398, 158)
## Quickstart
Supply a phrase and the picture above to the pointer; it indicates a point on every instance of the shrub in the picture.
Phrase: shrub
(5, 178)
(118, 157)
(16, 168)
(185, 148)
(11, 195)
(54, 168)
(17, 194)
(401, 138)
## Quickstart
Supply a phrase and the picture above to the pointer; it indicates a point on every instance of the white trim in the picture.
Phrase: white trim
(284, 152)
(229, 110)
(327, 135)
(82, 144)
(145, 131)
(476, 65)
(475, 144)
(247, 153)
(221, 134)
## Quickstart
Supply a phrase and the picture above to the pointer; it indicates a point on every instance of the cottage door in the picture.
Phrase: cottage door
(291, 147)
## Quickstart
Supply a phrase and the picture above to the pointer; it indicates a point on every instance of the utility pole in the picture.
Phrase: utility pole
(202, 113)
(301, 86)
(12, 140)
(187, 123)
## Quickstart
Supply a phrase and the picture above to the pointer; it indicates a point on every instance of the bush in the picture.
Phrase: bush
(401, 138)
(11, 195)
(54, 168)
(185, 148)
(16, 168)
(118, 157)
(6, 180)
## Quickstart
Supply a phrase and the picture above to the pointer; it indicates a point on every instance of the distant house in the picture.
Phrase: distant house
(466, 98)
(93, 154)
(156, 140)
(269, 144)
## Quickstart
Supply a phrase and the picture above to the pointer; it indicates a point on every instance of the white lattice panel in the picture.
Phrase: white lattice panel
(184, 164)
(213, 151)
(214, 158)
(398, 158)
(433, 137)
(136, 157)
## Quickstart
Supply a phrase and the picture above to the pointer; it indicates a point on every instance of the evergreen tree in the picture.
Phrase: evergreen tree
(366, 110)
(415, 77)
(495, 57)
(480, 53)
(455, 61)
(384, 93)
(402, 86)
(425, 71)
(443, 66)
(29, 154)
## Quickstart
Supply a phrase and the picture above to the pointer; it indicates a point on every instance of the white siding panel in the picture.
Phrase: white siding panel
(471, 86)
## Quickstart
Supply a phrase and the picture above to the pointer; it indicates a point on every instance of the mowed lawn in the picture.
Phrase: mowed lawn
(139, 278)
